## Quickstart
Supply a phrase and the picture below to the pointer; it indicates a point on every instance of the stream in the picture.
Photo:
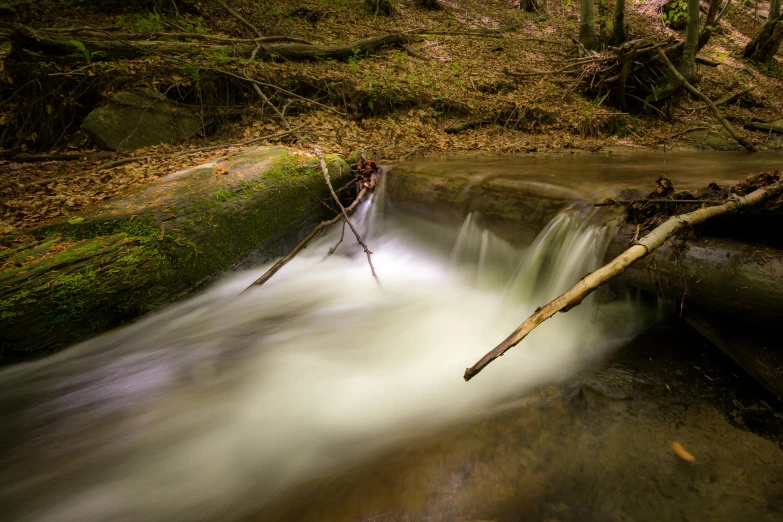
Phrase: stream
(323, 396)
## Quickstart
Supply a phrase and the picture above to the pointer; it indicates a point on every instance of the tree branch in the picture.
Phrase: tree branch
(715, 111)
(617, 266)
(325, 171)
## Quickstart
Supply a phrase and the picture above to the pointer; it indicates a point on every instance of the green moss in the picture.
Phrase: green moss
(84, 277)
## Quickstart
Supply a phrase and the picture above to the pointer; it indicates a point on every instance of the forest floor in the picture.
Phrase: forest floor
(394, 104)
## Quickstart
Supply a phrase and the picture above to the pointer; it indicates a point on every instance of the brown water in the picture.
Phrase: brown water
(600, 175)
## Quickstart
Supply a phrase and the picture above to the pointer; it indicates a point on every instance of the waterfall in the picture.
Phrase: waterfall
(216, 405)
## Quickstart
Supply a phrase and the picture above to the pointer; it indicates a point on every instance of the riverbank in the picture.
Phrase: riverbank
(395, 103)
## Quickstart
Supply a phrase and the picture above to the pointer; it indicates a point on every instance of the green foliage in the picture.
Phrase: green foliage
(85, 53)
(676, 14)
(7, 7)
(142, 24)
(195, 26)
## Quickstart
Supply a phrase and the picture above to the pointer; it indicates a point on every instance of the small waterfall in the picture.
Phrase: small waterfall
(216, 405)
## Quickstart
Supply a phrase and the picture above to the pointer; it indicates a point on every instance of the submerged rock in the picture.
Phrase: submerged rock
(137, 253)
(139, 117)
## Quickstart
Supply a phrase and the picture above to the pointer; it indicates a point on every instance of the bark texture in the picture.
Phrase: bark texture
(112, 49)
(709, 23)
(688, 65)
(766, 44)
(163, 240)
(587, 36)
(618, 30)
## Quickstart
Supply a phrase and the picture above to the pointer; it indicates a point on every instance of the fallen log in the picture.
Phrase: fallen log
(155, 244)
(111, 48)
(774, 126)
(726, 277)
(461, 127)
(640, 249)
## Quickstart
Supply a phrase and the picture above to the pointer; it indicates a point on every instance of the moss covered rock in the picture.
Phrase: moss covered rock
(135, 254)
(139, 117)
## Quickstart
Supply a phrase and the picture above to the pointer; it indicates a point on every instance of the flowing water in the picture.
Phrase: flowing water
(323, 396)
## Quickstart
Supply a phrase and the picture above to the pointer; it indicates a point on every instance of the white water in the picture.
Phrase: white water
(213, 407)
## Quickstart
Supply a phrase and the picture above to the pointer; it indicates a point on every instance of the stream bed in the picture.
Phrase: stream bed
(323, 396)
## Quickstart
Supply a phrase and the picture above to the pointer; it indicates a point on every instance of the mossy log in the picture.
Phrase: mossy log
(108, 48)
(138, 253)
(743, 281)
(515, 208)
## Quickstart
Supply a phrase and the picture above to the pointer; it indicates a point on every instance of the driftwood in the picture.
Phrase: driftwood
(111, 48)
(367, 189)
(574, 296)
(156, 35)
(325, 171)
(721, 276)
(36, 158)
(715, 111)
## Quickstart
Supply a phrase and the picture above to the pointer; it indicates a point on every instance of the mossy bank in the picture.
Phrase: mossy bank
(132, 255)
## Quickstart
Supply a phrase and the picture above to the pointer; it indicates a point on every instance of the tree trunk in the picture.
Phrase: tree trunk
(530, 6)
(159, 242)
(688, 65)
(774, 9)
(723, 276)
(618, 31)
(587, 35)
(111, 49)
(709, 23)
(766, 44)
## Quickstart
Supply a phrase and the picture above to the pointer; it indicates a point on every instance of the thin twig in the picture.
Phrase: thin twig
(302, 244)
(686, 131)
(240, 18)
(653, 107)
(656, 200)
(325, 171)
(334, 248)
(715, 111)
(260, 93)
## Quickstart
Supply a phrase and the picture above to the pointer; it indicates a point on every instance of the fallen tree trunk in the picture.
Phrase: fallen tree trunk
(775, 126)
(740, 280)
(574, 296)
(111, 48)
(157, 243)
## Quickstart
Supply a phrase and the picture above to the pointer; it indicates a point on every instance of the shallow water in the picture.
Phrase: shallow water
(321, 396)
(601, 175)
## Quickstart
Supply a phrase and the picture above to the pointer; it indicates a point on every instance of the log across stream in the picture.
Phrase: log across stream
(321, 396)
(731, 279)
